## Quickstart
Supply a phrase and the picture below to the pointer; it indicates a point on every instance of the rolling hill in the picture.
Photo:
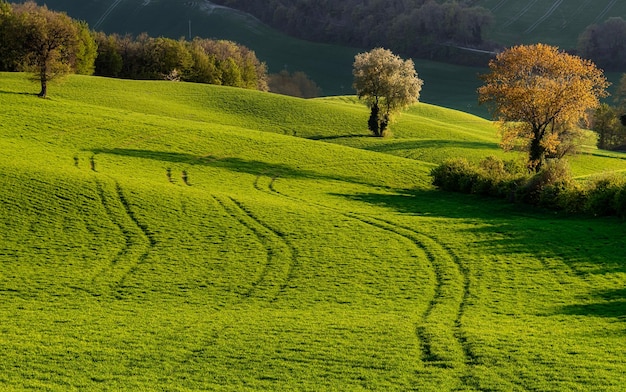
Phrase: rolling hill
(171, 236)
(555, 22)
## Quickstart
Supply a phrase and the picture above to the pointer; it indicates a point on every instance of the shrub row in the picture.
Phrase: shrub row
(552, 187)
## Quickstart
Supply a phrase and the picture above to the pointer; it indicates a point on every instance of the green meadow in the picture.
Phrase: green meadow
(181, 237)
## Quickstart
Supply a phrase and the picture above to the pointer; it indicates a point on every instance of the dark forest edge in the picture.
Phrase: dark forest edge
(420, 29)
(448, 31)
(50, 44)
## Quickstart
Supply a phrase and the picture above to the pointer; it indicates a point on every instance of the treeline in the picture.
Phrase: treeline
(415, 28)
(609, 121)
(200, 61)
(605, 44)
(50, 44)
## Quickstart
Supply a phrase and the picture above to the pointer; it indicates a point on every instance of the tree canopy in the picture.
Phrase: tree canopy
(387, 84)
(50, 44)
(540, 94)
(605, 44)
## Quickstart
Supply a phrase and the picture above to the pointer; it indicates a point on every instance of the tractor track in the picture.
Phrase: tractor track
(450, 299)
(522, 12)
(281, 256)
(605, 11)
(138, 241)
(106, 14)
(545, 16)
(268, 286)
(499, 5)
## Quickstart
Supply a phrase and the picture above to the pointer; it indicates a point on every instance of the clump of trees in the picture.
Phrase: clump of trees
(417, 28)
(387, 84)
(50, 44)
(540, 94)
(605, 44)
(609, 122)
(218, 62)
(296, 84)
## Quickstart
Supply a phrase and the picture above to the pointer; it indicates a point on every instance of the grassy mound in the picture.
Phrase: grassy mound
(173, 236)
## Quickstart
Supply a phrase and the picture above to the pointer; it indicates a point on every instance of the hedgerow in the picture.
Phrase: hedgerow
(552, 187)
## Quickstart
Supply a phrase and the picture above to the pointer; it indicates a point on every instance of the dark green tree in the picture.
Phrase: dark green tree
(51, 41)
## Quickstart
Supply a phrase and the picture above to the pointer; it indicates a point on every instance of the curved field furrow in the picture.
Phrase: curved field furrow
(604, 11)
(441, 326)
(464, 271)
(522, 12)
(499, 5)
(136, 246)
(281, 258)
(145, 233)
(545, 16)
(440, 331)
(106, 14)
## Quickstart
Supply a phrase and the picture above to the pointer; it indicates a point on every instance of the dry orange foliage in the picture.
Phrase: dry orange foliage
(540, 94)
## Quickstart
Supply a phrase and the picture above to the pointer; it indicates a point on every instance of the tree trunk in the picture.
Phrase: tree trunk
(44, 88)
(373, 123)
(536, 153)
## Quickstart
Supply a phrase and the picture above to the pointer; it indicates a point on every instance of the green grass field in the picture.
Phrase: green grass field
(299, 254)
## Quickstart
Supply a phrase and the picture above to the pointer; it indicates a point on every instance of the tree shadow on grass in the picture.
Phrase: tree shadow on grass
(586, 245)
(429, 144)
(18, 93)
(337, 137)
(230, 163)
(613, 305)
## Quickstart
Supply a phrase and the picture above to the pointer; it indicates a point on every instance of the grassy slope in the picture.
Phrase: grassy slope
(554, 22)
(289, 263)
(330, 66)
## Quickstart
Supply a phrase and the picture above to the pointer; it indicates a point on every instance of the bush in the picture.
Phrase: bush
(492, 176)
(544, 187)
(453, 175)
(602, 196)
(619, 203)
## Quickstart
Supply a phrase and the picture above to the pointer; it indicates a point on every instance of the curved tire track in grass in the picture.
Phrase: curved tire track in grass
(137, 246)
(545, 16)
(281, 256)
(441, 327)
(106, 14)
(499, 5)
(454, 268)
(522, 12)
(605, 11)
(440, 332)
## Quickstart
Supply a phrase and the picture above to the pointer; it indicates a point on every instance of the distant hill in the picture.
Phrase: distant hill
(554, 22)
(330, 66)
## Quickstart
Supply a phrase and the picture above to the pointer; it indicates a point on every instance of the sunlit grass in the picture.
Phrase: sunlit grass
(325, 261)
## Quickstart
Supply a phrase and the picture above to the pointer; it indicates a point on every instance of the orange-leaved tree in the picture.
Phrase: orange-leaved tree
(540, 94)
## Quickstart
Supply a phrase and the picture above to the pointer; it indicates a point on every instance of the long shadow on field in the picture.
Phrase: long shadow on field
(337, 137)
(613, 304)
(427, 144)
(230, 163)
(585, 245)
(17, 93)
